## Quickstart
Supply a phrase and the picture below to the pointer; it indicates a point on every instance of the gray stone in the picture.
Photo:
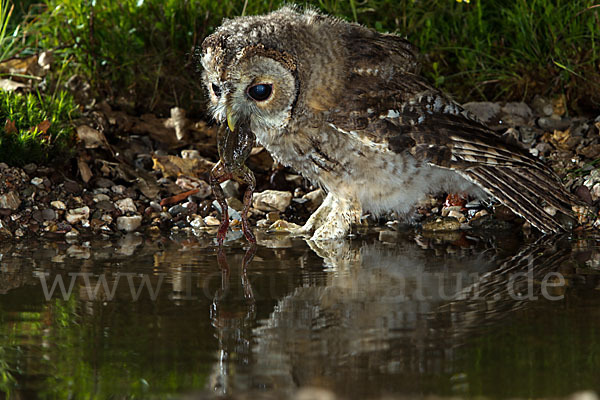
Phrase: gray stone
(542, 106)
(129, 224)
(104, 183)
(48, 214)
(230, 188)
(78, 215)
(176, 210)
(10, 200)
(126, 205)
(553, 123)
(59, 205)
(38, 182)
(272, 200)
(484, 110)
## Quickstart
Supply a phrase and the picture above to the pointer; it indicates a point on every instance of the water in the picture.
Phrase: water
(390, 314)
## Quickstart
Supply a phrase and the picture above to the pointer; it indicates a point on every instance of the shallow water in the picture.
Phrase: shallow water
(386, 314)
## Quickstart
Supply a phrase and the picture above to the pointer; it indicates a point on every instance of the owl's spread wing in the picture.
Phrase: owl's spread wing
(408, 115)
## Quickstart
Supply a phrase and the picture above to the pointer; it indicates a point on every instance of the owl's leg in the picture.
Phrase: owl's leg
(343, 213)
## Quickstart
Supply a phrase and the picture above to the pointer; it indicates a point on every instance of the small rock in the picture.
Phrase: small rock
(39, 182)
(315, 199)
(595, 193)
(446, 210)
(77, 215)
(10, 200)
(283, 226)
(479, 214)
(104, 183)
(129, 224)
(176, 210)
(591, 151)
(230, 188)
(196, 221)
(118, 189)
(59, 205)
(271, 200)
(211, 221)
(235, 203)
(473, 204)
(101, 197)
(553, 123)
(72, 187)
(486, 111)
(458, 215)
(191, 154)
(30, 168)
(48, 214)
(542, 106)
(126, 205)
(586, 195)
(155, 206)
(442, 224)
(273, 216)
(516, 113)
(105, 205)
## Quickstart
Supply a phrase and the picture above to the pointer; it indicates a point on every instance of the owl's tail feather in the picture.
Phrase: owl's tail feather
(527, 193)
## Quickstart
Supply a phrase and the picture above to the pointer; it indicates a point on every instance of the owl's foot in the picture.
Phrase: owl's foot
(332, 220)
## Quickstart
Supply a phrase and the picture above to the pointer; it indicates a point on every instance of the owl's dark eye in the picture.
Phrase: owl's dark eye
(260, 92)
(216, 90)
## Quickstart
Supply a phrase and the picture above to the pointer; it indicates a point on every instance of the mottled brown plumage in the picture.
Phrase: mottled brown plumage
(348, 110)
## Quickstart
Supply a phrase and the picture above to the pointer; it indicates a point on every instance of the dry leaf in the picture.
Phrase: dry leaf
(175, 166)
(10, 127)
(10, 86)
(42, 126)
(149, 124)
(92, 138)
(84, 170)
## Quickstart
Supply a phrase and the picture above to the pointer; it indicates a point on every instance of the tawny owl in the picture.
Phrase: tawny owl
(345, 106)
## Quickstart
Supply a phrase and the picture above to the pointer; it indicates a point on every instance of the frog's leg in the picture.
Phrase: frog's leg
(246, 176)
(217, 175)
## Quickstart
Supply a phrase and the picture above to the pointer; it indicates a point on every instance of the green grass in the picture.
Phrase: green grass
(36, 128)
(140, 51)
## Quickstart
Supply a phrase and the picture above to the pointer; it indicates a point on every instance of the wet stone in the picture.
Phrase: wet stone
(553, 123)
(441, 224)
(78, 215)
(72, 187)
(126, 205)
(176, 210)
(104, 183)
(59, 205)
(129, 224)
(106, 205)
(10, 201)
(271, 200)
(38, 182)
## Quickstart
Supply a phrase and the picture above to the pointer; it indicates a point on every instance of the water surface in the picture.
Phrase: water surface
(385, 314)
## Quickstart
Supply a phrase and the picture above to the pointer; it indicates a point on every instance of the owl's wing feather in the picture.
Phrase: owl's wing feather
(408, 115)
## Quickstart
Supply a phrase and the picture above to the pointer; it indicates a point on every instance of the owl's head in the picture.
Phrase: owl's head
(253, 71)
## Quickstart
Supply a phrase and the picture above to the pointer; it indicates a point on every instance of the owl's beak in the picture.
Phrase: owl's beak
(230, 120)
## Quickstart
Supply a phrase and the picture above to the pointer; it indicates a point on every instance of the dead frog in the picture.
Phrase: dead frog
(234, 142)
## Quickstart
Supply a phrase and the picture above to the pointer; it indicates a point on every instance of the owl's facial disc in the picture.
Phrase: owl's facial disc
(262, 91)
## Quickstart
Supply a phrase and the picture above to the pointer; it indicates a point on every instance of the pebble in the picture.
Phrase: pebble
(39, 182)
(104, 183)
(272, 200)
(10, 200)
(230, 188)
(118, 189)
(446, 210)
(553, 123)
(48, 214)
(211, 221)
(126, 205)
(458, 215)
(442, 224)
(155, 206)
(59, 205)
(196, 221)
(106, 205)
(176, 210)
(129, 224)
(481, 213)
(78, 215)
(314, 198)
(101, 197)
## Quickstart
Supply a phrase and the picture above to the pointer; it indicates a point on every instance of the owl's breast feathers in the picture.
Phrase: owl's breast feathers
(407, 116)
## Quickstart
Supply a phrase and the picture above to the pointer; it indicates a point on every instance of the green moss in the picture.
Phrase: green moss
(35, 128)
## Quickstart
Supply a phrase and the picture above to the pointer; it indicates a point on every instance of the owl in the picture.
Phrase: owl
(346, 107)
